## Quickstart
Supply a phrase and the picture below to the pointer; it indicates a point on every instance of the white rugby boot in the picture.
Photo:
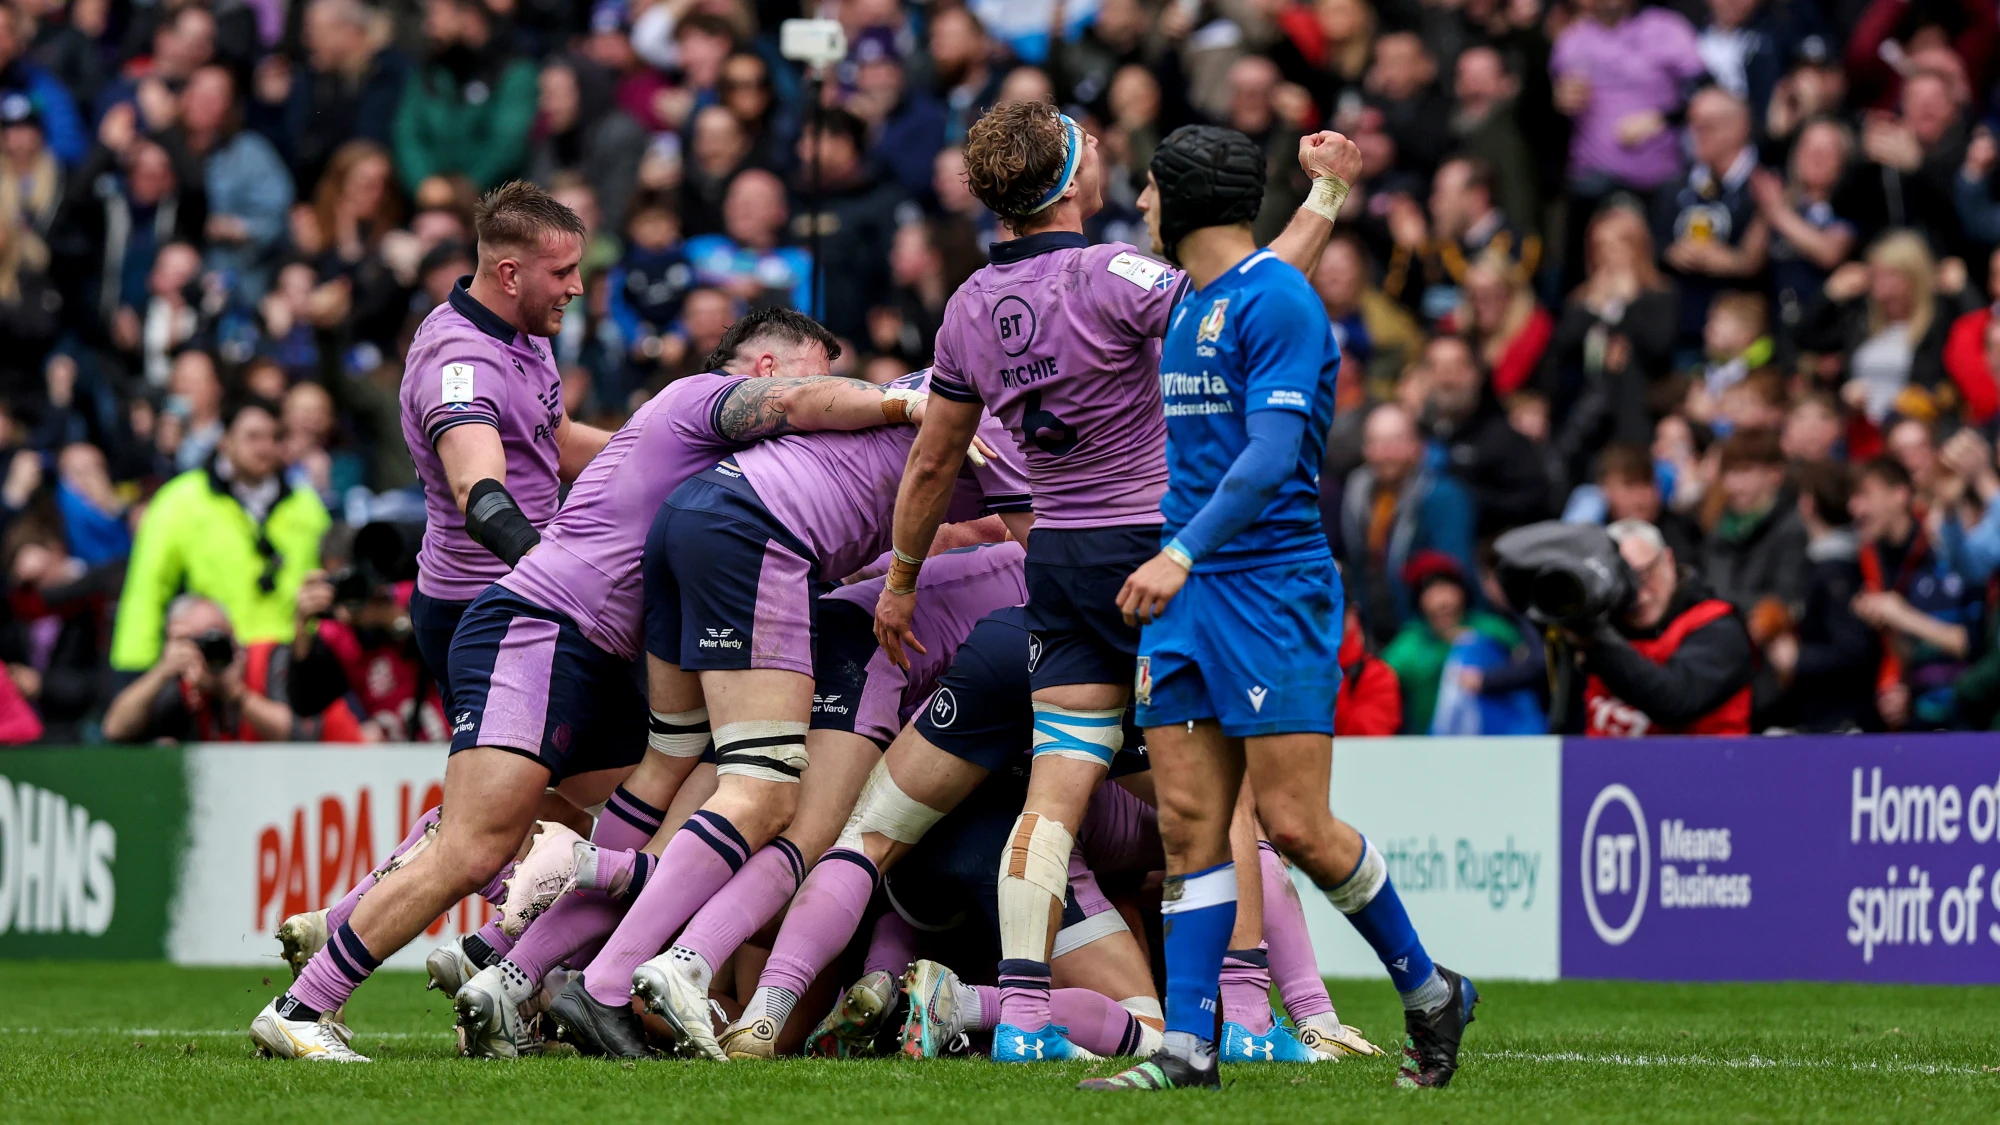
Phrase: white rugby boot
(305, 1040)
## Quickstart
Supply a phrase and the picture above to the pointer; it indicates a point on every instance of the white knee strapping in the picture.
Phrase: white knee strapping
(1087, 736)
(763, 749)
(886, 810)
(1359, 889)
(1069, 939)
(681, 734)
(1034, 877)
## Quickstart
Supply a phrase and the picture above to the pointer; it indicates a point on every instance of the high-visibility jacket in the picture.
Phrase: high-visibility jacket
(196, 538)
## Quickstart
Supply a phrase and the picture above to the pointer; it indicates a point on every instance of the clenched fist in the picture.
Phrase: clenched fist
(1327, 153)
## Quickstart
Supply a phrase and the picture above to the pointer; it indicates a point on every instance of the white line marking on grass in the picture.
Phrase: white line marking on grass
(201, 1032)
(1750, 1062)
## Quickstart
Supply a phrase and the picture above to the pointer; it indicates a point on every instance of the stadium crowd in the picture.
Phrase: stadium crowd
(1727, 268)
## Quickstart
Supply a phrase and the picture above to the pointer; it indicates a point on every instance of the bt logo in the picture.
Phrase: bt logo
(1616, 865)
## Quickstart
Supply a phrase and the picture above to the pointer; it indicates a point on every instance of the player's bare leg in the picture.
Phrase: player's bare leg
(490, 797)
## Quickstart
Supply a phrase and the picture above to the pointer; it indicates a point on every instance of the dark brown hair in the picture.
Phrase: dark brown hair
(1750, 448)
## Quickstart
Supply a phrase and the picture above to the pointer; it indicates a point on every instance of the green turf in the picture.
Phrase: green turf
(146, 1043)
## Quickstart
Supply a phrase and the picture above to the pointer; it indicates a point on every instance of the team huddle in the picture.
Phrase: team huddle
(787, 670)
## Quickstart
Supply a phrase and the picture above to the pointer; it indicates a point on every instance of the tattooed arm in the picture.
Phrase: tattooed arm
(766, 407)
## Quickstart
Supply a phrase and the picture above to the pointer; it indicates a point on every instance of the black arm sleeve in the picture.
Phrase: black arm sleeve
(1713, 663)
(495, 522)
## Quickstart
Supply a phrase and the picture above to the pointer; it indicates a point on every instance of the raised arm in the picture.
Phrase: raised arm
(921, 501)
(766, 407)
(1334, 163)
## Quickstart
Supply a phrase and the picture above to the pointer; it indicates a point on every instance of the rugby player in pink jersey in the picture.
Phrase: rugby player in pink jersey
(731, 566)
(546, 690)
(482, 415)
(1060, 340)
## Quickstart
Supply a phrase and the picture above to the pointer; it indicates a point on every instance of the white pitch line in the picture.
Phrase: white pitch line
(201, 1032)
(1751, 1062)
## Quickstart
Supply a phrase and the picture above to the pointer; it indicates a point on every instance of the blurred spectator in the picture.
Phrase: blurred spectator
(59, 609)
(1370, 704)
(127, 201)
(1966, 528)
(646, 288)
(249, 190)
(1808, 239)
(928, 264)
(1883, 319)
(1613, 347)
(1324, 47)
(1710, 225)
(1829, 663)
(962, 72)
(1927, 614)
(347, 89)
(354, 668)
(579, 129)
(1392, 507)
(1424, 645)
(1502, 469)
(1757, 551)
(720, 150)
(750, 260)
(1503, 320)
(1620, 72)
(1911, 164)
(746, 92)
(232, 531)
(53, 103)
(1430, 261)
(1676, 661)
(468, 109)
(908, 125)
(1972, 362)
(1487, 128)
(857, 216)
(1256, 112)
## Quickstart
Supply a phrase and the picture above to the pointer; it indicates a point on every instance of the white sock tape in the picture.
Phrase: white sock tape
(1360, 888)
(1196, 892)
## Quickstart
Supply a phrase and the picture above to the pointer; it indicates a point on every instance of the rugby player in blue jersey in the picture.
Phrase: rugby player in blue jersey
(1238, 668)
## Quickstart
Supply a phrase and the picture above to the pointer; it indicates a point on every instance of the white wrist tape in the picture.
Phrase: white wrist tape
(886, 810)
(1328, 193)
(680, 734)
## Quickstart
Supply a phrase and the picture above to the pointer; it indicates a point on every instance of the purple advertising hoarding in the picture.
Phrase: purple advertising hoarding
(1862, 858)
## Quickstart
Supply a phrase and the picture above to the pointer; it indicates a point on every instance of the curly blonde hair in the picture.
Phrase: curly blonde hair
(1013, 156)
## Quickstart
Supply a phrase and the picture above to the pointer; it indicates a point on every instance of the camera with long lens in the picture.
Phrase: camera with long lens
(1563, 574)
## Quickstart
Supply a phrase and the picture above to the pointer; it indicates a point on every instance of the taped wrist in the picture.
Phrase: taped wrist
(902, 578)
(763, 749)
(898, 402)
(1353, 894)
(682, 734)
(1087, 736)
(1034, 877)
(1328, 193)
(495, 522)
(886, 810)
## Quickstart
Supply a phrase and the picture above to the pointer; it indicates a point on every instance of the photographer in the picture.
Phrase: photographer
(200, 688)
(354, 665)
(1675, 660)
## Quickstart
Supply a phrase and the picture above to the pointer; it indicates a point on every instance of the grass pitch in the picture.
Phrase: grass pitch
(148, 1043)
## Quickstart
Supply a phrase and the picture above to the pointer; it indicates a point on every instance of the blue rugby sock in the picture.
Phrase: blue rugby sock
(1198, 912)
(1369, 900)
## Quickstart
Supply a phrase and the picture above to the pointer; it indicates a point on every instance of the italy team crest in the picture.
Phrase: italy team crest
(1210, 327)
